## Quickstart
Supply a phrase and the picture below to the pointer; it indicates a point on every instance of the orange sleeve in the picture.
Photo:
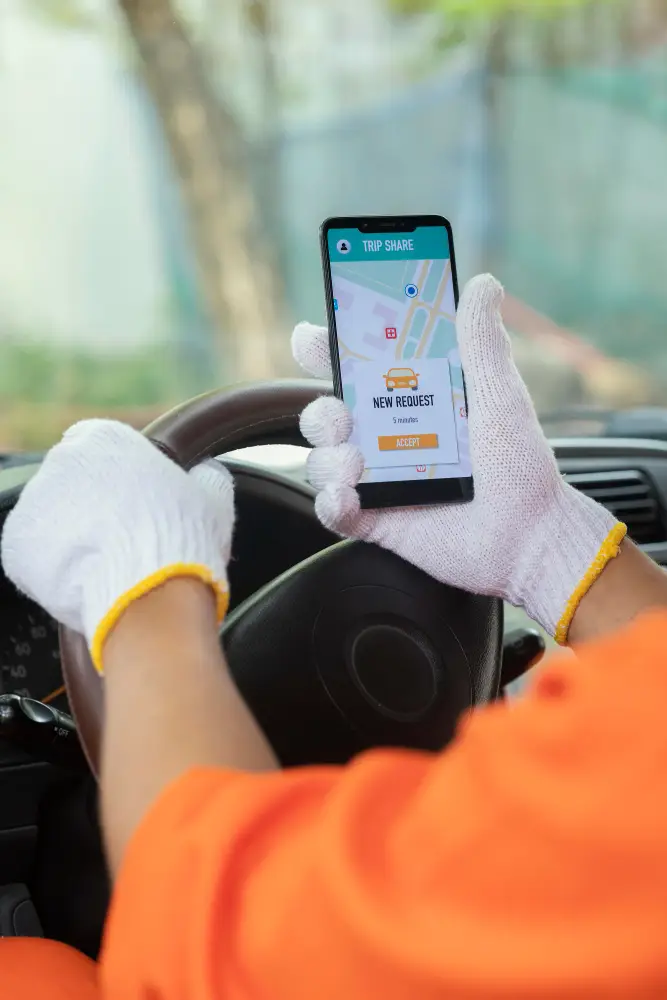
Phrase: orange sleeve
(39, 969)
(529, 860)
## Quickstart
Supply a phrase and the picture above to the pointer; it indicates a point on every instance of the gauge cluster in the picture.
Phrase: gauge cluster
(29, 653)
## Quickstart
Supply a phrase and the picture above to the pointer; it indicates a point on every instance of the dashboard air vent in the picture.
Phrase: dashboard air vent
(630, 495)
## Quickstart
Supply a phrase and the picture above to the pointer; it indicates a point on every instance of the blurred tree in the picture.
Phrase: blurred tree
(239, 280)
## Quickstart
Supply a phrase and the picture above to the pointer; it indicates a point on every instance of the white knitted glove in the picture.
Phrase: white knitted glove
(108, 518)
(527, 536)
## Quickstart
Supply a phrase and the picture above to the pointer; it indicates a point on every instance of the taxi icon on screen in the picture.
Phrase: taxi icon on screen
(401, 378)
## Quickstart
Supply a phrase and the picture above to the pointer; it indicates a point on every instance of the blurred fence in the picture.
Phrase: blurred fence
(556, 181)
(584, 234)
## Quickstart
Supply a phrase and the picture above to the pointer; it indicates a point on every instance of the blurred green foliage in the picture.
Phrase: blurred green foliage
(32, 372)
(44, 389)
(465, 21)
(72, 14)
(487, 8)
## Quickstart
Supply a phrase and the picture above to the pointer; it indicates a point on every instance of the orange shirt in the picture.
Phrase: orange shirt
(38, 969)
(529, 860)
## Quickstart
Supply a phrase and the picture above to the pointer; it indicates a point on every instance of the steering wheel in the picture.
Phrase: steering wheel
(352, 648)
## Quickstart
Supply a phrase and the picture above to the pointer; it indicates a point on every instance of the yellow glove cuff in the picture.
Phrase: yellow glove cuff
(608, 550)
(144, 587)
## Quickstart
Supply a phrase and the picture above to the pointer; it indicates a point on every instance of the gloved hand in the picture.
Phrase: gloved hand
(108, 518)
(527, 536)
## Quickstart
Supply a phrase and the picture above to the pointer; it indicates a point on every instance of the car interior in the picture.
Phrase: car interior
(336, 646)
(166, 166)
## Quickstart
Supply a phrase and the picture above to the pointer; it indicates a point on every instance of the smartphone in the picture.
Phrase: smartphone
(391, 294)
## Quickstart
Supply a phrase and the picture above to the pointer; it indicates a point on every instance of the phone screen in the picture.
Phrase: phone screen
(394, 304)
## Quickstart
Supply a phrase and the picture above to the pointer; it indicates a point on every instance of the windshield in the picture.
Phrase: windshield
(166, 165)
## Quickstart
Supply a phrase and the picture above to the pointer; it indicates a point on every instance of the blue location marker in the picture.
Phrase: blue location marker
(411, 291)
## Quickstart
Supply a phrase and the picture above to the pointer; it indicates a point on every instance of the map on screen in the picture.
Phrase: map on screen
(400, 365)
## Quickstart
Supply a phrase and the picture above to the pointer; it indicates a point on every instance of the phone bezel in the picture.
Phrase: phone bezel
(410, 492)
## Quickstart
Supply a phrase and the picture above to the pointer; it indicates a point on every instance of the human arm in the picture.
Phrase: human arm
(111, 533)
(630, 585)
(170, 705)
(526, 861)
(482, 874)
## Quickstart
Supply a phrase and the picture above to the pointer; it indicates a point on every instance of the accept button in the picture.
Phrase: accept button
(407, 442)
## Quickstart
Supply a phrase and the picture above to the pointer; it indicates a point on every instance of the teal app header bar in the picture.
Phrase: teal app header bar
(423, 243)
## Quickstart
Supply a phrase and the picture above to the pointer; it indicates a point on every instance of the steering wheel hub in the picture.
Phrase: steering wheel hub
(396, 669)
